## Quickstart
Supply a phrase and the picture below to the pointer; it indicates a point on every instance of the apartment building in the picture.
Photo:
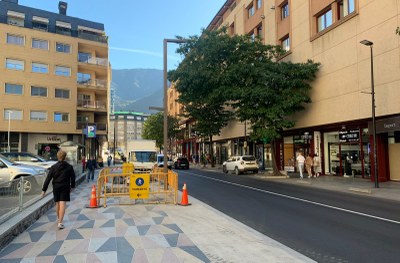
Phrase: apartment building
(337, 125)
(125, 126)
(54, 80)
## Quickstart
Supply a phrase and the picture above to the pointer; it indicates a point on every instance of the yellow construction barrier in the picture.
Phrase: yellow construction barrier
(163, 187)
(128, 168)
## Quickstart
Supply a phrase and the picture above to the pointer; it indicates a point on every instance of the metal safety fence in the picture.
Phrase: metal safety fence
(19, 194)
(115, 183)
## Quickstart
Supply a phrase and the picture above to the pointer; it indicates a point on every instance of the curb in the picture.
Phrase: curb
(360, 190)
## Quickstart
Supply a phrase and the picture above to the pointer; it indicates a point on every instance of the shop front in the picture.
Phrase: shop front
(45, 145)
(347, 153)
(388, 148)
(343, 150)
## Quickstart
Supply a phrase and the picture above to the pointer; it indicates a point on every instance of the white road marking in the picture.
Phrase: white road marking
(298, 199)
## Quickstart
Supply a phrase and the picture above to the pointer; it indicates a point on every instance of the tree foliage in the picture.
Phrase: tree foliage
(223, 75)
(153, 128)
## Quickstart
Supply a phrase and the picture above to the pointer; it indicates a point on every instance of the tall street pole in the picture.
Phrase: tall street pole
(165, 143)
(9, 128)
(376, 178)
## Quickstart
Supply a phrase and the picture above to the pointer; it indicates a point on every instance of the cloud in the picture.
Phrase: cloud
(144, 52)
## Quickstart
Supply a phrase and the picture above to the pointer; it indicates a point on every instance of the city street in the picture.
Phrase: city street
(324, 225)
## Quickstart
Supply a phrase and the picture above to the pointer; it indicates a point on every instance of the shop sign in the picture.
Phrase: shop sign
(349, 136)
(317, 143)
(53, 138)
(386, 125)
(302, 139)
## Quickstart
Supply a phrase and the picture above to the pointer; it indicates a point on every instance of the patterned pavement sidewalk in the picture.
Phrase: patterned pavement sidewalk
(112, 234)
(142, 233)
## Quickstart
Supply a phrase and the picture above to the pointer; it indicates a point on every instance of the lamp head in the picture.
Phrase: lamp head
(367, 42)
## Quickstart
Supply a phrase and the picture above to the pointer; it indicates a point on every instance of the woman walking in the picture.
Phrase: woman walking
(63, 176)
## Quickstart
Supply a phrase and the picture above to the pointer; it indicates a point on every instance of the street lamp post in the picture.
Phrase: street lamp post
(9, 128)
(371, 44)
(166, 41)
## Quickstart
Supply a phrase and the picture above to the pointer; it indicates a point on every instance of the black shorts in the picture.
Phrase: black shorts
(61, 194)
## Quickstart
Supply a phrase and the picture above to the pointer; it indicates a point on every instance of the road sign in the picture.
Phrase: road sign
(91, 131)
(139, 186)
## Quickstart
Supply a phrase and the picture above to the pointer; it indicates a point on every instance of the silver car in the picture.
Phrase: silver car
(29, 159)
(9, 171)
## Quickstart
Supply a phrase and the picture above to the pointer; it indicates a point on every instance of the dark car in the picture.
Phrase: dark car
(181, 163)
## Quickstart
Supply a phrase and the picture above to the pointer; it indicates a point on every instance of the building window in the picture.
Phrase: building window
(250, 10)
(14, 64)
(260, 31)
(63, 28)
(285, 11)
(14, 114)
(286, 43)
(40, 68)
(324, 20)
(62, 93)
(83, 78)
(345, 7)
(15, 39)
(13, 89)
(252, 36)
(259, 4)
(61, 117)
(63, 48)
(38, 116)
(63, 71)
(84, 57)
(40, 23)
(231, 30)
(15, 18)
(40, 44)
(38, 91)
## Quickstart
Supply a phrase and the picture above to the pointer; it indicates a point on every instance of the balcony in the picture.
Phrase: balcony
(93, 37)
(92, 104)
(98, 83)
(93, 61)
(99, 126)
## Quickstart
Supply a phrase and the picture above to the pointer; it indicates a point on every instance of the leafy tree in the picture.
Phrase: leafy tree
(200, 81)
(221, 71)
(266, 92)
(153, 128)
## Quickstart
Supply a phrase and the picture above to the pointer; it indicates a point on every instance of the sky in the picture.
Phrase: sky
(136, 28)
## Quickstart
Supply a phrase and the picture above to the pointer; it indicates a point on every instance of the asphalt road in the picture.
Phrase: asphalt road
(324, 225)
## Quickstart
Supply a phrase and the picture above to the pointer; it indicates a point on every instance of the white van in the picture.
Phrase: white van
(160, 161)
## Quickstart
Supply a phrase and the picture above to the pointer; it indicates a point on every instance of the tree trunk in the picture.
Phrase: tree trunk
(211, 152)
(275, 169)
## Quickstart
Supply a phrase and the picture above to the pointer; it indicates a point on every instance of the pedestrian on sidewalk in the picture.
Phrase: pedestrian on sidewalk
(309, 165)
(317, 165)
(63, 176)
(91, 165)
(109, 159)
(300, 163)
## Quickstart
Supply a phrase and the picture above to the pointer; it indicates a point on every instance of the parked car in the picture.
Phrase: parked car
(181, 163)
(29, 159)
(9, 171)
(240, 164)
(160, 161)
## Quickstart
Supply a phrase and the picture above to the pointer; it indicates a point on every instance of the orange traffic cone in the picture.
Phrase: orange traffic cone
(93, 199)
(185, 201)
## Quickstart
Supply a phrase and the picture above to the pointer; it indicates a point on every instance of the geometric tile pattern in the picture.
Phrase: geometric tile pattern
(120, 234)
